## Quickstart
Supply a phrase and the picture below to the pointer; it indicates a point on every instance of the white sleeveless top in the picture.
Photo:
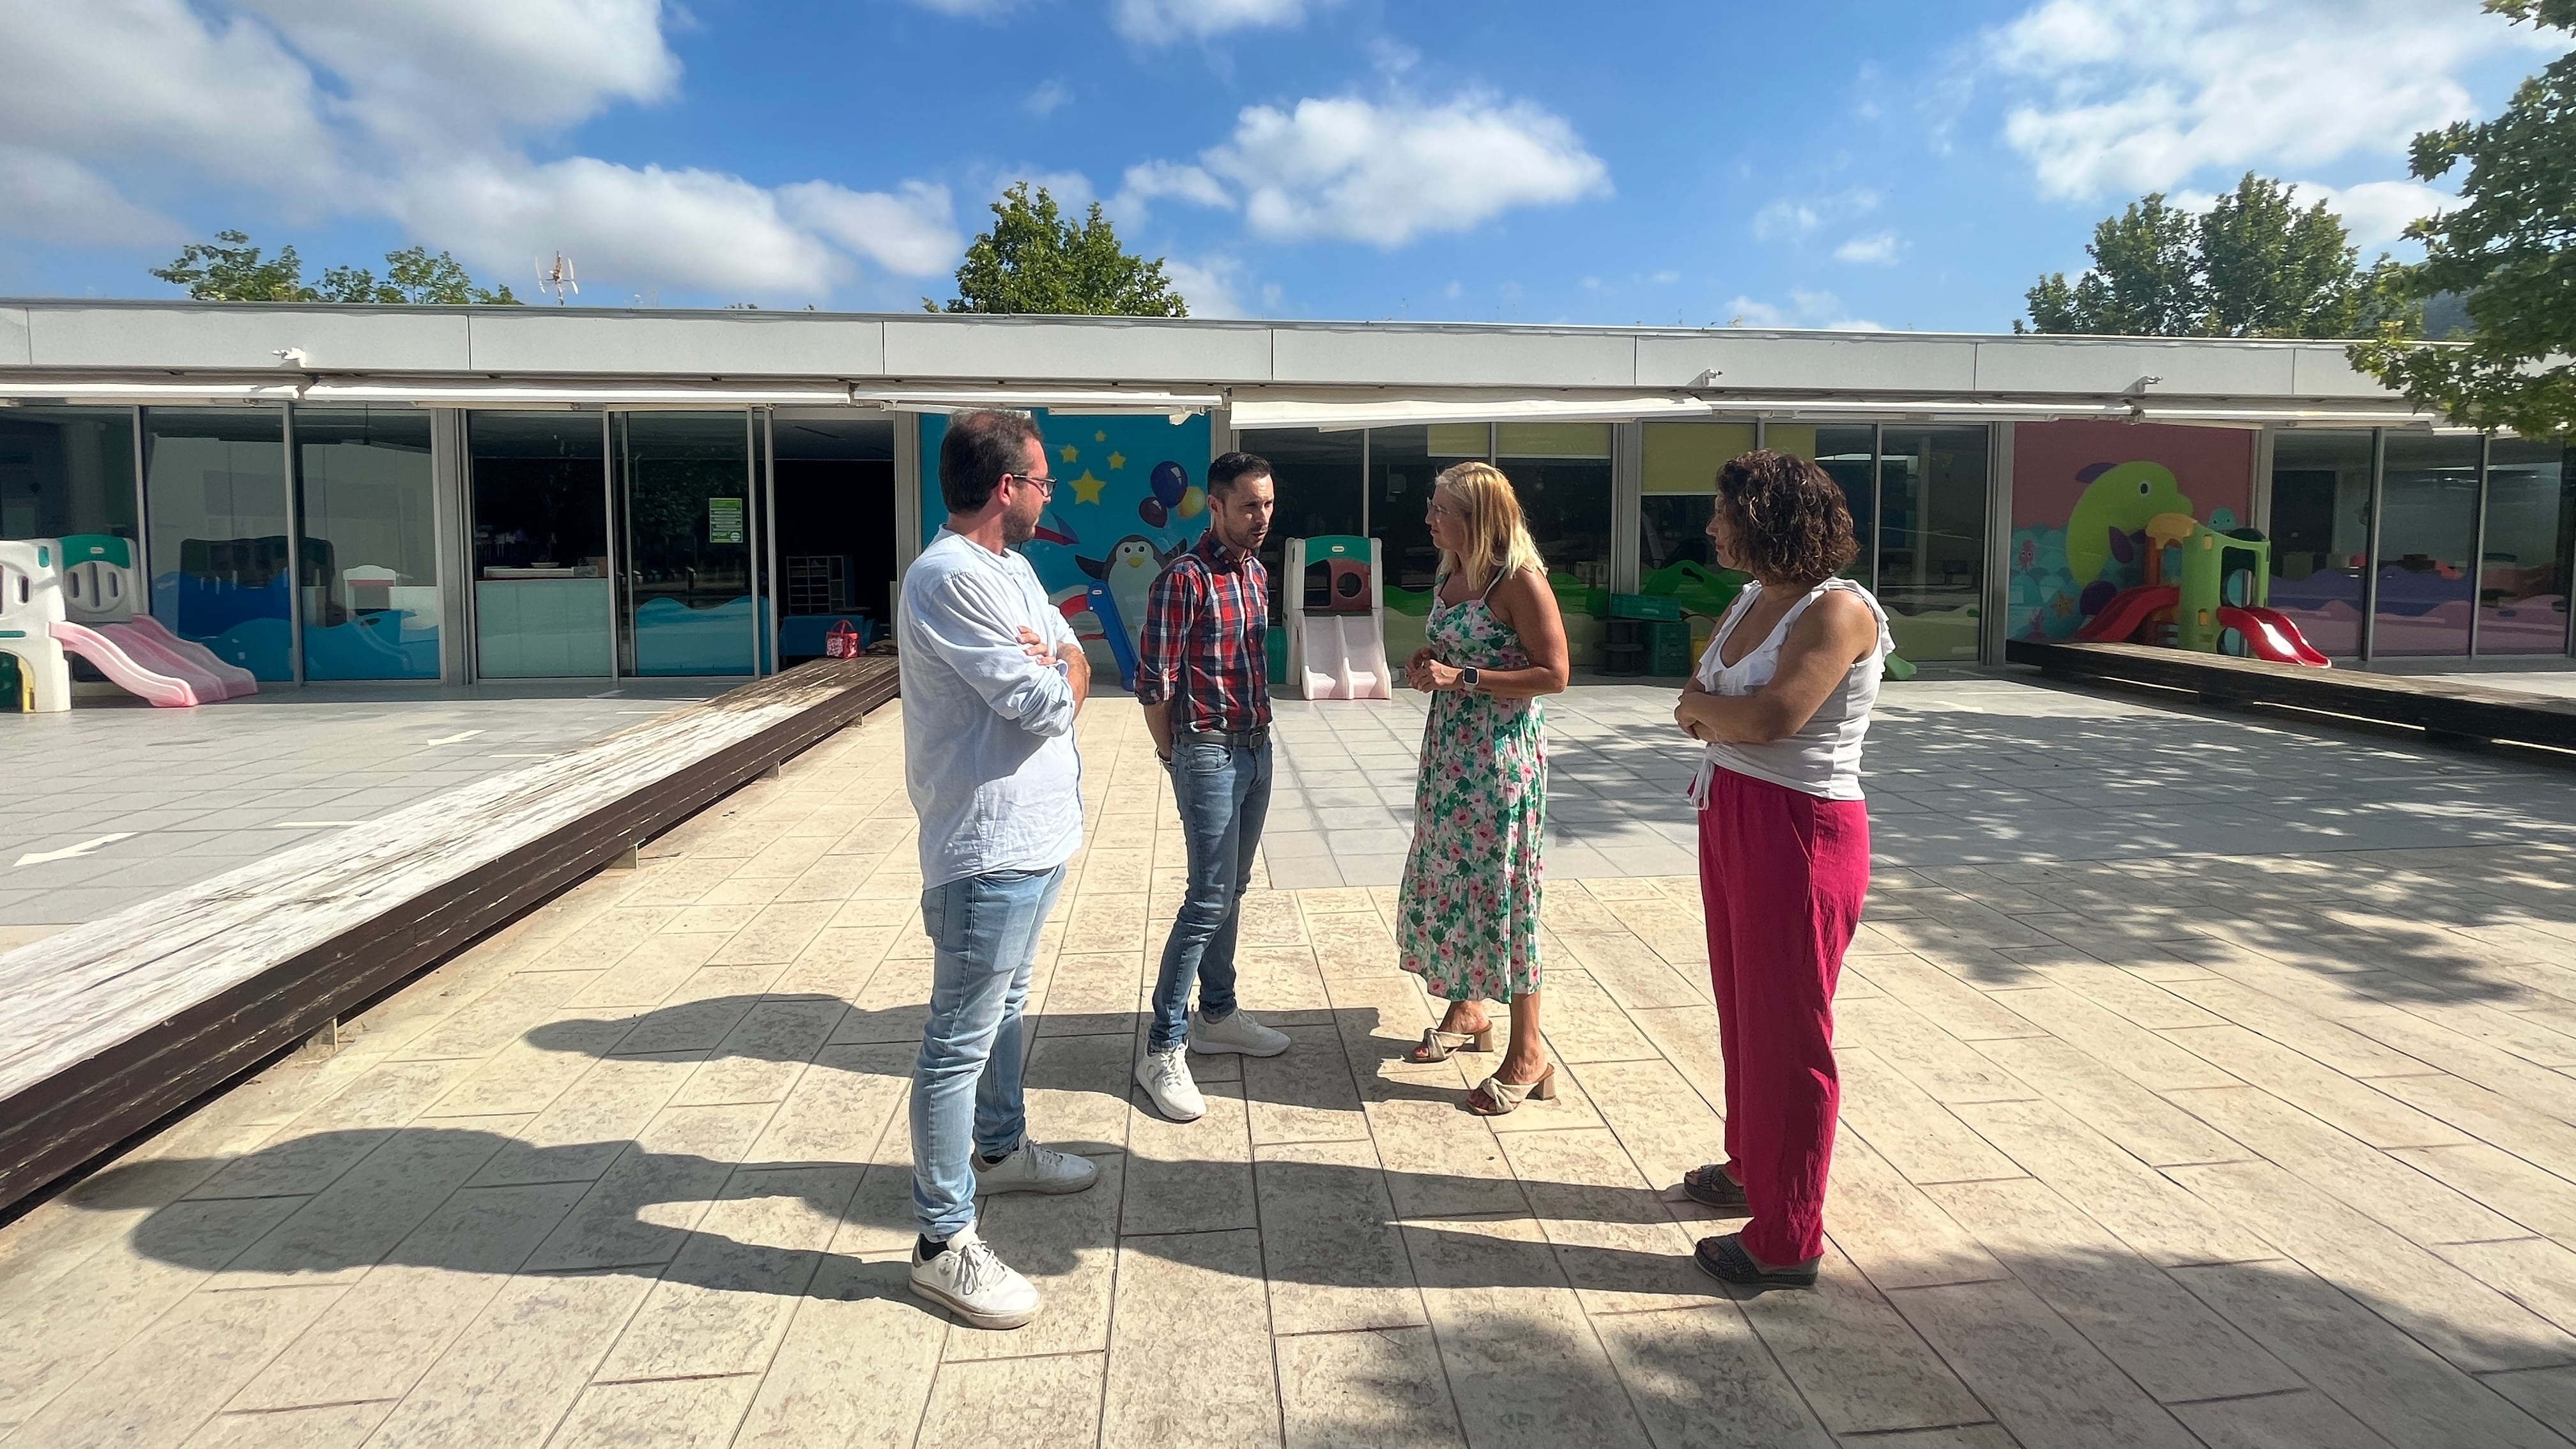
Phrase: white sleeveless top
(1823, 757)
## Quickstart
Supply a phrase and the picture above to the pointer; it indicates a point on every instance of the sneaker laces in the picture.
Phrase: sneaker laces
(978, 1267)
(1167, 1067)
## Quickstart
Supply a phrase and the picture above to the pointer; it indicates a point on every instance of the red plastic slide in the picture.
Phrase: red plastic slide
(122, 670)
(2127, 610)
(2272, 637)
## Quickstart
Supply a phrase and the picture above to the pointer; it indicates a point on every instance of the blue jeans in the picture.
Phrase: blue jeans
(966, 1093)
(1224, 793)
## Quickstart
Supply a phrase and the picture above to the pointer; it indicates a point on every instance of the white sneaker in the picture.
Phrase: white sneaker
(1031, 1168)
(1241, 1032)
(975, 1285)
(1165, 1076)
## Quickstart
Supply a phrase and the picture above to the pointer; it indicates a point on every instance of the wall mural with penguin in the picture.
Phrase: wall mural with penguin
(2083, 495)
(1129, 498)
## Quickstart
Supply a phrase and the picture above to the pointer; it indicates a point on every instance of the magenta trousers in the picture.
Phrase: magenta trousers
(1782, 875)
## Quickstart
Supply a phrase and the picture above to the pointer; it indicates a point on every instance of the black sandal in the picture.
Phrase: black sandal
(1709, 1186)
(1724, 1259)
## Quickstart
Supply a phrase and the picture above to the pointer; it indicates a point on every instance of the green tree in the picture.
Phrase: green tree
(1034, 260)
(2508, 251)
(2258, 265)
(230, 269)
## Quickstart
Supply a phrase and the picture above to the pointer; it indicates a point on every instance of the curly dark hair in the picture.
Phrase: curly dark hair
(1791, 523)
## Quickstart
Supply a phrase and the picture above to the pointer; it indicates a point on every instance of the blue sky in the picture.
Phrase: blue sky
(1824, 165)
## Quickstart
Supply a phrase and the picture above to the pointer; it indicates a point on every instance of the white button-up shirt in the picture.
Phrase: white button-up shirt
(989, 758)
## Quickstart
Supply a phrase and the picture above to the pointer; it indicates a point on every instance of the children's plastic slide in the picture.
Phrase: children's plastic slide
(38, 596)
(2127, 610)
(2271, 636)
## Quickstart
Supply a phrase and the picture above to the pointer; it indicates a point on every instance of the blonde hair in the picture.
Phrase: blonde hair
(1498, 537)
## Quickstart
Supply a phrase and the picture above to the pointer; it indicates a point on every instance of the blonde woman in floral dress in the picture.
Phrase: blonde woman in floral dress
(1469, 919)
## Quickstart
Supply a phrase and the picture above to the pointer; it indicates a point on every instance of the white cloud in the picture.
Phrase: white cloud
(2142, 95)
(1665, 278)
(64, 203)
(1806, 309)
(913, 231)
(969, 9)
(1154, 180)
(1356, 170)
(1879, 249)
(619, 223)
(2377, 213)
(1167, 22)
(1791, 217)
(1047, 99)
(1211, 288)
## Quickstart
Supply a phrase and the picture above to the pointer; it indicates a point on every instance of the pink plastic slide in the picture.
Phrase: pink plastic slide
(121, 669)
(2272, 637)
(231, 680)
(2127, 610)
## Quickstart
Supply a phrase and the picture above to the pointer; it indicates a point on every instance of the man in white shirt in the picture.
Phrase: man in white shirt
(992, 680)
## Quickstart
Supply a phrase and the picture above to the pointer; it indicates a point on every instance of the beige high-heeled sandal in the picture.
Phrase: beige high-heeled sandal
(1436, 1045)
(1508, 1097)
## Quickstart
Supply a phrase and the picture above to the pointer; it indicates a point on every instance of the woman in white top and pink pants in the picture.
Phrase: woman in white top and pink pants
(1782, 699)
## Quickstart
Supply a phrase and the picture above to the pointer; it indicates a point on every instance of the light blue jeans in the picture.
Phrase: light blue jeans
(1224, 795)
(966, 1095)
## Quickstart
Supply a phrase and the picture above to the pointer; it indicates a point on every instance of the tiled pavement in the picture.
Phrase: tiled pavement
(167, 797)
(2141, 1145)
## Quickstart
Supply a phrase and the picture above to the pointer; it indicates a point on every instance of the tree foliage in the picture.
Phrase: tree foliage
(2257, 265)
(1035, 260)
(2509, 252)
(230, 269)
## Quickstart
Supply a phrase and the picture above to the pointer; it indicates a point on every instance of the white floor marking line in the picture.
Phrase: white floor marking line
(71, 852)
(454, 738)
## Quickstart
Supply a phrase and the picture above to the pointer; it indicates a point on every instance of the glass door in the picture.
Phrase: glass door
(216, 483)
(366, 503)
(685, 561)
(541, 585)
(2428, 525)
(2530, 540)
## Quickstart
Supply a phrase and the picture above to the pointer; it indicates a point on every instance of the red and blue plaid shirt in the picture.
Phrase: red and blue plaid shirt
(1207, 631)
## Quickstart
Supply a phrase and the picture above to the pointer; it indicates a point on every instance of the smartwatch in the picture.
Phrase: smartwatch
(1468, 676)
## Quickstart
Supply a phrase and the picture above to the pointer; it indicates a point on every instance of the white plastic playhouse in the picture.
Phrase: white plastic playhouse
(67, 596)
(1336, 607)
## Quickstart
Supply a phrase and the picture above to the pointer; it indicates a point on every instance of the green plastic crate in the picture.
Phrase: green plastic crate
(1668, 651)
(1645, 606)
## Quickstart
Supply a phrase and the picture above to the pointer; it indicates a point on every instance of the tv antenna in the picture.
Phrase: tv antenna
(558, 278)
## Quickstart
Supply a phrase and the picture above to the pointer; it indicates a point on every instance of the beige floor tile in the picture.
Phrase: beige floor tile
(726, 1297)
(839, 1108)
(2140, 1205)
(2377, 1184)
(765, 1053)
(2148, 1058)
(520, 1364)
(2145, 1125)
(1523, 1363)
(1922, 1138)
(2305, 1420)
(2465, 1321)
(1008, 1401)
(168, 1380)
(2043, 1381)
(855, 1368)
(1090, 995)
(2328, 1041)
(1190, 1358)
(1065, 1245)
(2517, 1126)
(1950, 1004)
(1190, 1177)
(344, 1229)
(1305, 1094)
(1330, 1246)
(330, 1426)
(1898, 1236)
(2539, 1201)
(1663, 1125)
(2359, 1108)
(2538, 1273)
(2548, 1395)
(1633, 973)
(1365, 1389)
(1615, 1240)
(377, 1339)
(1584, 1023)
(1955, 1436)
(1077, 1088)
(697, 1413)
(1701, 1377)
(1861, 1366)
(641, 1209)
(2136, 1315)
(1945, 1067)
(2370, 1369)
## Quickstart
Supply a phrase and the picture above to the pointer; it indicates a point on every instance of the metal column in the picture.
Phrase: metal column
(2478, 543)
(142, 514)
(769, 517)
(294, 552)
(2370, 544)
(1994, 603)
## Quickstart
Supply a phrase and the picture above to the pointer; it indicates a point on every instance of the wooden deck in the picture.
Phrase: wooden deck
(109, 1026)
(2444, 708)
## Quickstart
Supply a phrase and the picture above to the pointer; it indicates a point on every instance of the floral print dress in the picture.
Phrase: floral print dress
(1468, 922)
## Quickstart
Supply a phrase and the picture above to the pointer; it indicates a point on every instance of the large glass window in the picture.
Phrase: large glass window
(1847, 455)
(1402, 465)
(2320, 531)
(216, 485)
(67, 473)
(1931, 537)
(541, 603)
(369, 511)
(1678, 484)
(836, 528)
(1320, 489)
(2427, 532)
(686, 561)
(2530, 547)
(1562, 473)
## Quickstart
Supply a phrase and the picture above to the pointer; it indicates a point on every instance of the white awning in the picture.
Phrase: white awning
(1069, 401)
(1335, 414)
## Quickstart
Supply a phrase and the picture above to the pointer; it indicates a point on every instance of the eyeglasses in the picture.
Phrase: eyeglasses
(1043, 482)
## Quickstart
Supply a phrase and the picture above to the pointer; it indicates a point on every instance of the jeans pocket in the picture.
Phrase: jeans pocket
(1201, 757)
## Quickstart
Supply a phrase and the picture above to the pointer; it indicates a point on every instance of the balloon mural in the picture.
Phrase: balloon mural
(1124, 507)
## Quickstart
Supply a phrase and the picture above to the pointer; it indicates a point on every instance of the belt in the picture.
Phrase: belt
(1251, 739)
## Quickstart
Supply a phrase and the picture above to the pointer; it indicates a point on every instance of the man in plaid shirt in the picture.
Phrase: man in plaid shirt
(1202, 673)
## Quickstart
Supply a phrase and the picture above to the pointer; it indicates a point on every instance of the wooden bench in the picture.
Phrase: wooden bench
(109, 1026)
(2445, 709)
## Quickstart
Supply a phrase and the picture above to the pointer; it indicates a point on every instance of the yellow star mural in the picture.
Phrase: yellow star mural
(1117, 460)
(1086, 489)
(1100, 437)
(1069, 452)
